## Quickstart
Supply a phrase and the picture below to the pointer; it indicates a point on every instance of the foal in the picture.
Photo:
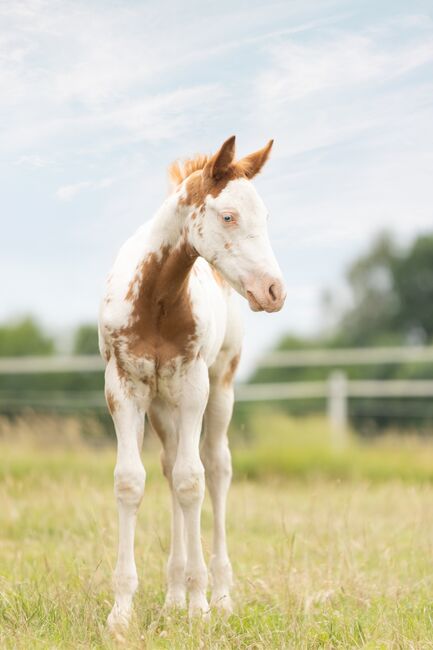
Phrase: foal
(171, 337)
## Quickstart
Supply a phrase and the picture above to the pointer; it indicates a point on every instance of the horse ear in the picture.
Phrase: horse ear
(252, 164)
(220, 162)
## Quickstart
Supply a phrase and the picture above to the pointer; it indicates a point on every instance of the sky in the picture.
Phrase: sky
(97, 97)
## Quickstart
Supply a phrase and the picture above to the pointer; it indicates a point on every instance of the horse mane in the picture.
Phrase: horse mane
(179, 170)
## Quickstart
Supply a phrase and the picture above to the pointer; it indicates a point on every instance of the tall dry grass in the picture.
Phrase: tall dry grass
(319, 562)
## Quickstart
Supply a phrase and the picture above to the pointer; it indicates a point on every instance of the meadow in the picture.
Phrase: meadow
(329, 549)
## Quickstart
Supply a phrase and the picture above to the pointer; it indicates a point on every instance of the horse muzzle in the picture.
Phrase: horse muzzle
(267, 294)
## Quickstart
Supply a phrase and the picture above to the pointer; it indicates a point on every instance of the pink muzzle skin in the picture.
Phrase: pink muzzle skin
(266, 294)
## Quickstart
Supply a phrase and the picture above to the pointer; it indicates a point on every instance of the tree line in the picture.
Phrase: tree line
(25, 337)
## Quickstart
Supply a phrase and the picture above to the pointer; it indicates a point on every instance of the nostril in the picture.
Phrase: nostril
(272, 291)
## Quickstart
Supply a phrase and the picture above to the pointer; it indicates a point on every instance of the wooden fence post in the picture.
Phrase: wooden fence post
(337, 408)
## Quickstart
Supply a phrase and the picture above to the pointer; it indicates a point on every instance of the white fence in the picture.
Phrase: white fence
(336, 390)
(39, 365)
(348, 356)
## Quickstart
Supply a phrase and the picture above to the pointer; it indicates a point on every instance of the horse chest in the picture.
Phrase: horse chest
(160, 328)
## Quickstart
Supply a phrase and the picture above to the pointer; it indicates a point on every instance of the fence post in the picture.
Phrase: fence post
(337, 408)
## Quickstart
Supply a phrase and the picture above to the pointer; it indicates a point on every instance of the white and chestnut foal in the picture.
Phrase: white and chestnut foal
(171, 337)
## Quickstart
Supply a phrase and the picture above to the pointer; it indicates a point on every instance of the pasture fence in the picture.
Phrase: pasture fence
(337, 390)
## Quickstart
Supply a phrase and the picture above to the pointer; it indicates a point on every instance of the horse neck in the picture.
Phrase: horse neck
(169, 239)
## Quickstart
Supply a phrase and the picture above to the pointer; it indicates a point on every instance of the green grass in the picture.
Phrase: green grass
(320, 562)
(273, 444)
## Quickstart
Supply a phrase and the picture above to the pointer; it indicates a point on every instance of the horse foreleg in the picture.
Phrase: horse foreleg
(129, 479)
(189, 482)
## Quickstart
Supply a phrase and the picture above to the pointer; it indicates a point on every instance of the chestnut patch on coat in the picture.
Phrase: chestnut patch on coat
(230, 372)
(200, 184)
(162, 324)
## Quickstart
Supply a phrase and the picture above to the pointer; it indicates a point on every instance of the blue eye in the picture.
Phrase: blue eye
(227, 218)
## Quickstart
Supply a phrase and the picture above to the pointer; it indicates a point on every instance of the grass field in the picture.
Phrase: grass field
(321, 561)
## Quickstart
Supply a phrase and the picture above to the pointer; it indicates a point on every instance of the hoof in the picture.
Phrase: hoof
(222, 604)
(174, 601)
(118, 622)
(199, 608)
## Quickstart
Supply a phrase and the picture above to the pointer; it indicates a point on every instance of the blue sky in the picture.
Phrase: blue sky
(97, 97)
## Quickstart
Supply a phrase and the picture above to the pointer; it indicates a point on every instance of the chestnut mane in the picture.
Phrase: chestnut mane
(179, 170)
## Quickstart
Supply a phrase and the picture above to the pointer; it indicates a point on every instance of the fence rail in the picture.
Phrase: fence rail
(280, 359)
(347, 357)
(320, 389)
(337, 390)
(41, 365)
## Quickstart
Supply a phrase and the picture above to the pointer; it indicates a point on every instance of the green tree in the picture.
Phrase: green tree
(413, 284)
(86, 340)
(392, 295)
(24, 338)
(375, 301)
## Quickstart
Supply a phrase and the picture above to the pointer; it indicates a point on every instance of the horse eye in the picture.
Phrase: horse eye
(228, 217)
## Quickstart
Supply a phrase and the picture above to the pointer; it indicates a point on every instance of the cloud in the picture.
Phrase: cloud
(131, 71)
(321, 92)
(152, 118)
(74, 69)
(338, 62)
(33, 161)
(68, 192)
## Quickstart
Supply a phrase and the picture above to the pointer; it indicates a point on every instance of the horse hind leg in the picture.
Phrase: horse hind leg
(216, 457)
